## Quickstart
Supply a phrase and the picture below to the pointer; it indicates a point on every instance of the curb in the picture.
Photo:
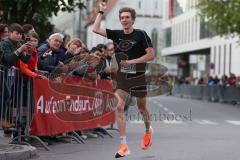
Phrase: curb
(17, 152)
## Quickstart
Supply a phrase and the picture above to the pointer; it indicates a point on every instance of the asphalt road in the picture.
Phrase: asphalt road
(184, 129)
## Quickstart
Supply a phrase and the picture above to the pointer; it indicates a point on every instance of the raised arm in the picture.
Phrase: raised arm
(97, 24)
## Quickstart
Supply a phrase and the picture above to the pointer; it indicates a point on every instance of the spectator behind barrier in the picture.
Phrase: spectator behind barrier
(98, 52)
(201, 81)
(74, 47)
(49, 55)
(103, 49)
(110, 49)
(108, 60)
(224, 80)
(4, 96)
(216, 80)
(12, 48)
(3, 32)
(31, 69)
(27, 30)
(210, 81)
(63, 47)
(232, 79)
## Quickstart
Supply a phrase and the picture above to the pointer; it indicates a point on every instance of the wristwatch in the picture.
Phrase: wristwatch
(17, 53)
(101, 12)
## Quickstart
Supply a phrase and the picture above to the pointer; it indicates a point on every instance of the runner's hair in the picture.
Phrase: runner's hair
(130, 10)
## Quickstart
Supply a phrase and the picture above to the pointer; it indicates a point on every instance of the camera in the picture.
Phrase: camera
(27, 39)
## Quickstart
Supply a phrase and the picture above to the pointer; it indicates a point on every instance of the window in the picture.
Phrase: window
(168, 37)
(224, 59)
(205, 31)
(139, 4)
(179, 7)
(187, 31)
(156, 4)
(219, 60)
(155, 40)
(230, 58)
(214, 60)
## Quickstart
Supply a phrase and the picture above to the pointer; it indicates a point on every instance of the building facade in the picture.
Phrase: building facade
(190, 48)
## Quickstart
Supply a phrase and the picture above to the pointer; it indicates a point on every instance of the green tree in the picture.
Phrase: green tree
(223, 16)
(36, 12)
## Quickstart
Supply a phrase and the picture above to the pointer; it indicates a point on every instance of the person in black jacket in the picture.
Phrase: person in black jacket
(13, 47)
(3, 31)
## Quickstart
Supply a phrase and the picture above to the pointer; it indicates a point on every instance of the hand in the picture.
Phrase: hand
(25, 46)
(29, 45)
(41, 76)
(125, 63)
(102, 6)
(64, 69)
(77, 51)
(60, 64)
(108, 69)
(79, 57)
(48, 52)
(72, 65)
(92, 60)
(41, 72)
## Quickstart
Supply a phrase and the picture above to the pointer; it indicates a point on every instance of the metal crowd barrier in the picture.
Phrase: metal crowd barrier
(16, 106)
(210, 93)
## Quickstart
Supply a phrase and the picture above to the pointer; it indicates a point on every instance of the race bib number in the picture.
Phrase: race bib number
(129, 69)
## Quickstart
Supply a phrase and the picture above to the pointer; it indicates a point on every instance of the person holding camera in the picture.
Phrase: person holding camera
(28, 29)
(13, 47)
(31, 69)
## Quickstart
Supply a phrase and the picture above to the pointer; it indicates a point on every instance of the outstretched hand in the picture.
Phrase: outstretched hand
(102, 6)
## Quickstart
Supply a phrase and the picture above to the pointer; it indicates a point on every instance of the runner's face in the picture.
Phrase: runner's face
(126, 20)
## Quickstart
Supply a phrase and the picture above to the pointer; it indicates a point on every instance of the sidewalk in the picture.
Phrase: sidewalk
(13, 151)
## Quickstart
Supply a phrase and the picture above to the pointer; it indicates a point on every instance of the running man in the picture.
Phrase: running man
(137, 45)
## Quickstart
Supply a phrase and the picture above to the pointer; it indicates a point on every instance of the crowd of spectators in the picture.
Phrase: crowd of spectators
(20, 48)
(231, 80)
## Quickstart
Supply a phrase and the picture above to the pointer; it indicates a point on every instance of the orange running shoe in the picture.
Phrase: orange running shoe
(122, 151)
(146, 141)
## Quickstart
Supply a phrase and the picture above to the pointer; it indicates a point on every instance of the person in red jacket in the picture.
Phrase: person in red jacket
(31, 69)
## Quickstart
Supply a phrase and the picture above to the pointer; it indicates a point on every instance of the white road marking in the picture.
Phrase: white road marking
(234, 122)
(202, 122)
(172, 122)
(165, 109)
(206, 122)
